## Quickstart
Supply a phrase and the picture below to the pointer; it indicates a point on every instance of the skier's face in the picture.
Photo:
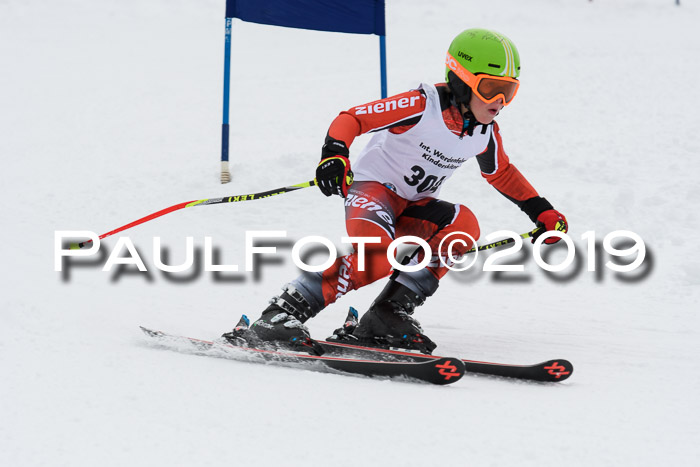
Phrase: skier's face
(485, 113)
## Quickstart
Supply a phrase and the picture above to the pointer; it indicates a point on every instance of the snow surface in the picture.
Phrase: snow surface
(112, 110)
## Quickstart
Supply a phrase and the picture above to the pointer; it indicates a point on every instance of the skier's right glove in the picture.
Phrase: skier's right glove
(333, 175)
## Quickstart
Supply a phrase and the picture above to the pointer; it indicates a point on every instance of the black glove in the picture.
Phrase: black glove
(333, 175)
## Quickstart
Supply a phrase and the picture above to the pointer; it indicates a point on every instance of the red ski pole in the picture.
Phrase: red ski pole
(201, 202)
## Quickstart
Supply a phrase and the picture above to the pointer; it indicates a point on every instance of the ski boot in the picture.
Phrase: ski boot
(279, 327)
(389, 323)
(345, 333)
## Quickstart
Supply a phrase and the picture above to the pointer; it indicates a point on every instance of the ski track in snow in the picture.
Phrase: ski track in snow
(112, 111)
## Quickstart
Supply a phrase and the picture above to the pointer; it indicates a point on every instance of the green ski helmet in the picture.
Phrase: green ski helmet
(485, 54)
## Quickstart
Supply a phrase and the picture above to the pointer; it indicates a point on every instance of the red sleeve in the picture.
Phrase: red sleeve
(397, 110)
(501, 174)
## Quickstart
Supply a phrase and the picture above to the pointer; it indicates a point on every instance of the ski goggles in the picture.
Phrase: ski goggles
(489, 88)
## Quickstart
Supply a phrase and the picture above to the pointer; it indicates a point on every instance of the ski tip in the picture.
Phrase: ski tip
(447, 370)
(557, 370)
(245, 319)
(352, 311)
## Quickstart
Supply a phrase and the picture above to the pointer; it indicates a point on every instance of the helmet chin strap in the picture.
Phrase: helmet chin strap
(469, 122)
(461, 95)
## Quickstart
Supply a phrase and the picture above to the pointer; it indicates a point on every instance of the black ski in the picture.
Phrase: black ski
(549, 371)
(343, 343)
(436, 370)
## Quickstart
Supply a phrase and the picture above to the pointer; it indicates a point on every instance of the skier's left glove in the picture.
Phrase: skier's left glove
(550, 219)
(333, 175)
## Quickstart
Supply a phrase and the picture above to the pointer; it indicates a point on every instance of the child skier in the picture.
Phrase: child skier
(420, 138)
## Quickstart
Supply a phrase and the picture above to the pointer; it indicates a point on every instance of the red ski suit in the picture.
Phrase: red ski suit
(375, 208)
